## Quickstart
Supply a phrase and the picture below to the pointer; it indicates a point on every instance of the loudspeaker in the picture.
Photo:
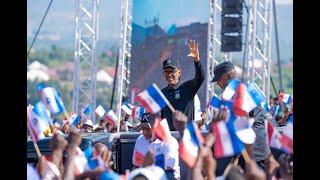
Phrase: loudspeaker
(231, 24)
(232, 7)
(231, 43)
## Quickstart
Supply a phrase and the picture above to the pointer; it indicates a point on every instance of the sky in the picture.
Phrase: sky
(59, 25)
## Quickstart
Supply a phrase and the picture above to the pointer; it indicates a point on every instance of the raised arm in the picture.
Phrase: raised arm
(199, 72)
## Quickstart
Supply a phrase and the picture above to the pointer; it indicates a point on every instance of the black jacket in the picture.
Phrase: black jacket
(182, 97)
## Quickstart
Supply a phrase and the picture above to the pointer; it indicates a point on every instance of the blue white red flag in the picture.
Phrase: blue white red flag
(190, 144)
(87, 110)
(287, 135)
(274, 137)
(100, 111)
(111, 117)
(216, 103)
(52, 100)
(137, 112)
(127, 108)
(37, 126)
(245, 133)
(41, 110)
(230, 90)
(243, 101)
(74, 119)
(258, 96)
(227, 142)
(286, 98)
(161, 130)
(152, 99)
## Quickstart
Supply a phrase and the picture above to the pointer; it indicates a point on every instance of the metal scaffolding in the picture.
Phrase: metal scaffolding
(258, 50)
(214, 46)
(85, 57)
(257, 46)
(123, 76)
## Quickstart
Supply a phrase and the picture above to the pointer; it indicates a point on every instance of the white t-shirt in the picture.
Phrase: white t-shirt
(32, 173)
(141, 148)
(167, 156)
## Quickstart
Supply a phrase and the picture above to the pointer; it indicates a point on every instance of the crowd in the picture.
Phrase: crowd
(222, 151)
(99, 162)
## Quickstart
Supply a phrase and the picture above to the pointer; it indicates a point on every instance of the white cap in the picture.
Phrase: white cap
(88, 122)
(95, 126)
(151, 173)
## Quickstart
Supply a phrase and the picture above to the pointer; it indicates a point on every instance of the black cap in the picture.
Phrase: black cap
(221, 69)
(170, 63)
(147, 121)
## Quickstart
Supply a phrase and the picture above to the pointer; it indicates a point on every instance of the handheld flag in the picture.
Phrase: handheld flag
(190, 144)
(127, 108)
(243, 129)
(42, 112)
(286, 98)
(74, 119)
(111, 117)
(52, 100)
(243, 102)
(197, 108)
(230, 90)
(152, 99)
(287, 135)
(258, 96)
(36, 124)
(216, 103)
(100, 111)
(273, 136)
(87, 110)
(161, 130)
(137, 112)
(227, 142)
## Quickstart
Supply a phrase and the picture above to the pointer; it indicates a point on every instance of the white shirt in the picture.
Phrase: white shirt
(32, 173)
(141, 148)
(170, 153)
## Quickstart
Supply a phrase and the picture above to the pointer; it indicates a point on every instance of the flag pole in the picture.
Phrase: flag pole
(66, 114)
(171, 107)
(31, 132)
(245, 155)
(34, 143)
(119, 122)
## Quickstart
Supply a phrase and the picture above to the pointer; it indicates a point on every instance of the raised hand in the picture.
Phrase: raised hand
(180, 121)
(253, 172)
(271, 165)
(148, 160)
(194, 50)
(74, 137)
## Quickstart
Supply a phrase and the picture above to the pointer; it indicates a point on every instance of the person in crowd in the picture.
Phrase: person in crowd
(52, 169)
(166, 155)
(102, 127)
(87, 126)
(224, 73)
(181, 95)
(143, 142)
